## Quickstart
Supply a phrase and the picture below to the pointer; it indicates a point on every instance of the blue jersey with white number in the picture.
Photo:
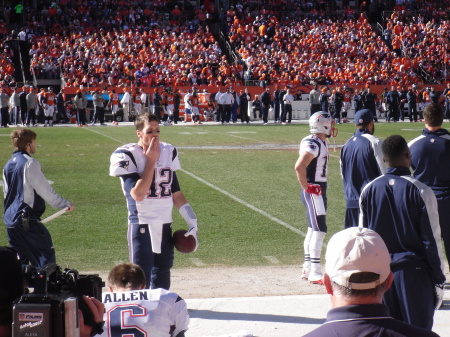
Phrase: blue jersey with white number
(128, 163)
(317, 170)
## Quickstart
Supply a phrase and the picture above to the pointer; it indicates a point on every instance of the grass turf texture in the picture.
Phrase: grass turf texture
(253, 163)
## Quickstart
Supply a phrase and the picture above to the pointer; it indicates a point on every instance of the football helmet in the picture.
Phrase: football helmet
(320, 122)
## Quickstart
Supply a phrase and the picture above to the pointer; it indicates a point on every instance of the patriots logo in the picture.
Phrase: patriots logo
(123, 164)
(312, 146)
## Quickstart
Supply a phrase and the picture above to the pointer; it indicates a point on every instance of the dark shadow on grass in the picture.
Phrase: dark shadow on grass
(236, 316)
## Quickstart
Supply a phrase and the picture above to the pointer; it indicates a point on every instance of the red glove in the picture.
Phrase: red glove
(314, 189)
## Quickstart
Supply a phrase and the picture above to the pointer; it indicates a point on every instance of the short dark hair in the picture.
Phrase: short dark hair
(363, 277)
(20, 138)
(126, 275)
(393, 148)
(433, 115)
(145, 117)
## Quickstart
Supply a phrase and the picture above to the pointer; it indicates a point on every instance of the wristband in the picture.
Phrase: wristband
(314, 189)
(188, 215)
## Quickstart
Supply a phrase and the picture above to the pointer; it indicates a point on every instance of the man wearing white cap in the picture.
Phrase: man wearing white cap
(356, 277)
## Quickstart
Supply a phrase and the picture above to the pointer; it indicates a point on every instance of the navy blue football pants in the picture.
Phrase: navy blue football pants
(411, 298)
(156, 266)
(316, 222)
(34, 246)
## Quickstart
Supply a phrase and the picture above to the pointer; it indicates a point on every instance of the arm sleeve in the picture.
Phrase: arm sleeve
(362, 210)
(180, 317)
(33, 175)
(122, 162)
(430, 233)
(379, 156)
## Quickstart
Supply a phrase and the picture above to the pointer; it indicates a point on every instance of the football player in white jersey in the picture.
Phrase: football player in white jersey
(312, 171)
(150, 185)
(132, 310)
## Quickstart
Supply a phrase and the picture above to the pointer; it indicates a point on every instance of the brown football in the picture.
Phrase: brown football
(182, 243)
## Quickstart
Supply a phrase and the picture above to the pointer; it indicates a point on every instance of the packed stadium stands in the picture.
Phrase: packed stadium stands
(116, 43)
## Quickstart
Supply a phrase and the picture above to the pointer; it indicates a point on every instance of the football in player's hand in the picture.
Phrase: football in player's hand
(182, 243)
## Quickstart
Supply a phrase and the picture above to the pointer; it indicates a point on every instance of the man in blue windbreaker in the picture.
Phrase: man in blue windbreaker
(26, 189)
(430, 155)
(404, 212)
(361, 162)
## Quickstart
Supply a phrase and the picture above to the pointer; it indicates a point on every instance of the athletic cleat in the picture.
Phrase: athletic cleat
(305, 273)
(319, 282)
(315, 278)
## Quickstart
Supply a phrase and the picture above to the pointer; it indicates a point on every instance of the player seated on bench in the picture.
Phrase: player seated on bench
(130, 308)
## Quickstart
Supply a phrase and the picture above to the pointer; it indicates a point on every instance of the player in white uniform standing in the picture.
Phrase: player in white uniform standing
(312, 172)
(150, 185)
(131, 310)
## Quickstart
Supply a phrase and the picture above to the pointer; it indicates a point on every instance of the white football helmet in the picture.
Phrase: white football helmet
(320, 122)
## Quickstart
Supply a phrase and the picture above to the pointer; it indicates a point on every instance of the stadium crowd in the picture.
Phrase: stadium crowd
(162, 43)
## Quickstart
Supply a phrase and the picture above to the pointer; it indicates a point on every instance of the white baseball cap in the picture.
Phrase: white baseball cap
(356, 250)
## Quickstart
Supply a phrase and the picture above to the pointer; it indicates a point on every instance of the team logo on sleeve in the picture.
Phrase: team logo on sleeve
(312, 146)
(123, 164)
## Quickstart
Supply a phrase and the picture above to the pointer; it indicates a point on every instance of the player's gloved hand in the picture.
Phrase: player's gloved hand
(439, 292)
(314, 189)
(192, 231)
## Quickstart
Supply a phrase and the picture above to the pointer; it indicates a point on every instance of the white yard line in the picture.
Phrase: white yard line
(231, 134)
(99, 133)
(242, 202)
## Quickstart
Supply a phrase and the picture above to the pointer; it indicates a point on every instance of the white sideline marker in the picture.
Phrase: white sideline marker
(55, 215)
(272, 259)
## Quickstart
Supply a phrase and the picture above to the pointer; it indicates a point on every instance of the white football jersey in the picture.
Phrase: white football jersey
(317, 170)
(148, 312)
(128, 163)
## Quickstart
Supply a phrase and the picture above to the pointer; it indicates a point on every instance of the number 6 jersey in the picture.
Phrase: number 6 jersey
(152, 313)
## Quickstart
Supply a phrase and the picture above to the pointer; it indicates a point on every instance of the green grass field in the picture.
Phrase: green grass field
(239, 179)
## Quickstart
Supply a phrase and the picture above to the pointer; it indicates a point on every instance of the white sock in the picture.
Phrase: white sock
(315, 250)
(306, 245)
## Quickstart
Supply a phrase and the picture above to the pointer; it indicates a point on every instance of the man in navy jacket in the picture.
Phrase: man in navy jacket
(430, 155)
(361, 162)
(404, 212)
